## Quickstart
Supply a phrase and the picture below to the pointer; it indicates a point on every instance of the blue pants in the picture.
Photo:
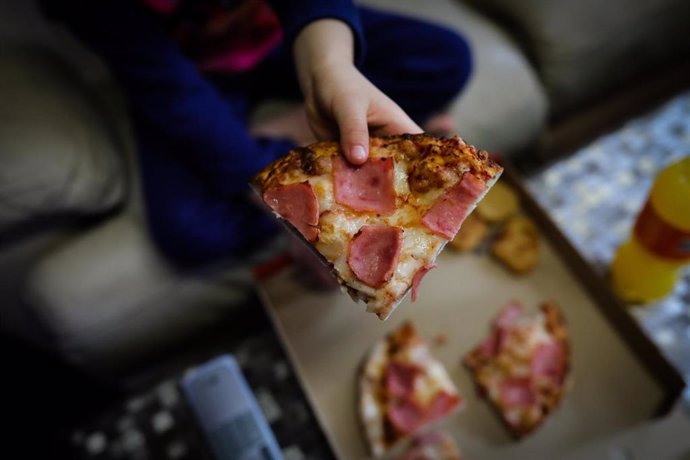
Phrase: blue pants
(195, 149)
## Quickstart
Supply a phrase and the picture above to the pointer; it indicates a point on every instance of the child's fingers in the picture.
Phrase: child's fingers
(351, 117)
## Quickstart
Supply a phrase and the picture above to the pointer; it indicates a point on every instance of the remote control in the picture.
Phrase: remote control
(228, 414)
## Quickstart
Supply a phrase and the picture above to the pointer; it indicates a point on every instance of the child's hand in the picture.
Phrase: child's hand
(340, 101)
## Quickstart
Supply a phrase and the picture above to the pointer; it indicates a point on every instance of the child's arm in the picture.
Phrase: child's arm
(340, 101)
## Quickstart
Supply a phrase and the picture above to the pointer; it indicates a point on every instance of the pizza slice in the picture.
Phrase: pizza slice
(521, 367)
(378, 226)
(402, 389)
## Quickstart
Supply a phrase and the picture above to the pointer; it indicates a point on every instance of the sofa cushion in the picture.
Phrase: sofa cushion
(16, 261)
(503, 108)
(584, 48)
(58, 155)
(110, 301)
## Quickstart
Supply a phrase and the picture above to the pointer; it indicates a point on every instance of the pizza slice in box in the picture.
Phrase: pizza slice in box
(378, 226)
(522, 366)
(402, 390)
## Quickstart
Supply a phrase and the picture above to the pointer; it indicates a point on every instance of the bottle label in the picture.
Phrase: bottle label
(660, 237)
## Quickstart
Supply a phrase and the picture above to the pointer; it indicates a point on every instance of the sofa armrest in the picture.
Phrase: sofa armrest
(59, 155)
(586, 48)
(111, 301)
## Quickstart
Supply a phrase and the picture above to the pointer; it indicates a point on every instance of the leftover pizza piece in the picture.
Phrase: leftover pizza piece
(402, 390)
(522, 366)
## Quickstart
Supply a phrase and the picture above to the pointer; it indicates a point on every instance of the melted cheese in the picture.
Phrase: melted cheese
(323, 188)
(402, 188)
(419, 248)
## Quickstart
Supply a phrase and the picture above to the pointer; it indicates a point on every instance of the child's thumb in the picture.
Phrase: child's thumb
(354, 131)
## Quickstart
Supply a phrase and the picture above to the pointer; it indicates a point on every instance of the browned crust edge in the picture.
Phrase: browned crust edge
(359, 388)
(309, 159)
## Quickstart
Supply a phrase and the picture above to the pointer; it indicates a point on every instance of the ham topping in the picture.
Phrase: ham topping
(442, 405)
(400, 379)
(548, 361)
(446, 215)
(417, 278)
(374, 252)
(369, 187)
(404, 411)
(297, 204)
(517, 392)
(501, 327)
(406, 416)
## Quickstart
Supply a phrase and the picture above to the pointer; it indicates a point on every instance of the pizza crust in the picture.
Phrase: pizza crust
(371, 410)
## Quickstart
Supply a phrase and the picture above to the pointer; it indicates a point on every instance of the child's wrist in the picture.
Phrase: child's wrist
(323, 44)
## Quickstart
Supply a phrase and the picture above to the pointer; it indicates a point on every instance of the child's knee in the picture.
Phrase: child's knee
(182, 238)
(462, 59)
(191, 233)
(455, 59)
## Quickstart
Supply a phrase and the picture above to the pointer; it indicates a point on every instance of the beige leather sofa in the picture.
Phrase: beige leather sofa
(78, 273)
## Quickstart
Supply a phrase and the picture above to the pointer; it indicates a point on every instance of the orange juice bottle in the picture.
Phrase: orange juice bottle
(647, 266)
